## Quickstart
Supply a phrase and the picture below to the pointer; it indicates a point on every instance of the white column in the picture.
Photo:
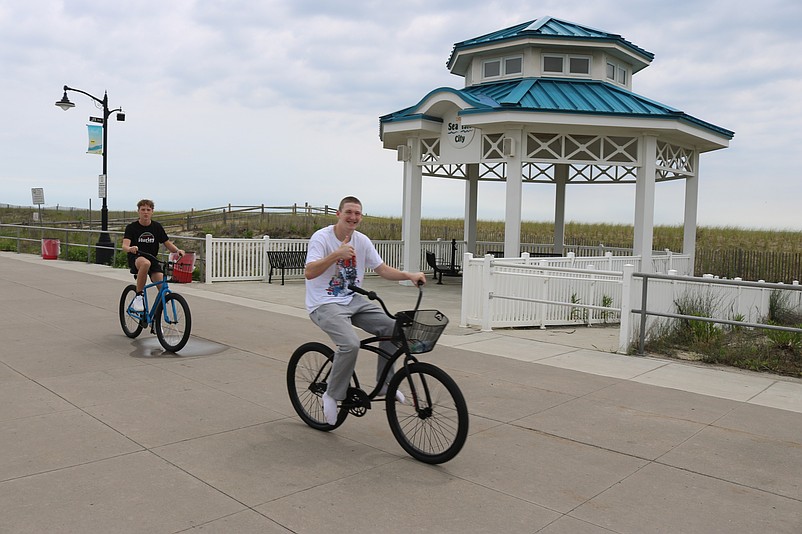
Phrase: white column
(691, 210)
(512, 227)
(644, 203)
(471, 202)
(560, 179)
(410, 219)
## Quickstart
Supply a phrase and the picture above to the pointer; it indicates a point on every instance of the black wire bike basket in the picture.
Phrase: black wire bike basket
(421, 328)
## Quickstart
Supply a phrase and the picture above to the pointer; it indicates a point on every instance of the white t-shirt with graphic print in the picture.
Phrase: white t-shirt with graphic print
(332, 285)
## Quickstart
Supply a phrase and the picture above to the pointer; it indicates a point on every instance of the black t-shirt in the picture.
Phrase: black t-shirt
(147, 238)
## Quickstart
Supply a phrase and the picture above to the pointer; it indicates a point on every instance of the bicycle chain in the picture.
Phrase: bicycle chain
(358, 402)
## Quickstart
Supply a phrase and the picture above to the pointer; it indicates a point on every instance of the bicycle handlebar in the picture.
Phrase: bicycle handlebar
(373, 296)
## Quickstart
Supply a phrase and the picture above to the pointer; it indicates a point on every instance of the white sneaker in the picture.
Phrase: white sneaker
(138, 305)
(329, 409)
(399, 397)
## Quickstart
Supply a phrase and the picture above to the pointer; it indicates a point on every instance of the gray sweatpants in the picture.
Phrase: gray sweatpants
(338, 320)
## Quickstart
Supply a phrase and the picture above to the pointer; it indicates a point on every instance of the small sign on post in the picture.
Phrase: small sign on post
(38, 194)
(101, 186)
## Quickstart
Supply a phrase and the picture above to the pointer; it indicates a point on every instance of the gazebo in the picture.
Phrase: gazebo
(547, 101)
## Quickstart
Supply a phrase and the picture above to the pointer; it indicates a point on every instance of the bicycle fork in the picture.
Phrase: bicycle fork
(425, 411)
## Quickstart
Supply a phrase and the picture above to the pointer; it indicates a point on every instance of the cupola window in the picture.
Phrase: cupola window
(562, 64)
(506, 66)
(617, 72)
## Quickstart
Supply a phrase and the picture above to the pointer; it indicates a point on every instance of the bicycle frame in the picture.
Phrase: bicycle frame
(163, 291)
(371, 344)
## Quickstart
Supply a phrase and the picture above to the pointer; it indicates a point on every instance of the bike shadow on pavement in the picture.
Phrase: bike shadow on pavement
(195, 347)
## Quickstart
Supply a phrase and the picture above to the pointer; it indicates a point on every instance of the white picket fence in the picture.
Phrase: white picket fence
(235, 259)
(519, 292)
(537, 292)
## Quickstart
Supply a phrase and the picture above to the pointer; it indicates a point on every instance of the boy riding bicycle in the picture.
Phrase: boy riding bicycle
(145, 235)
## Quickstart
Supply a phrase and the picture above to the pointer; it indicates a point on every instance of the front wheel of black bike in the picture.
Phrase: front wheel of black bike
(132, 325)
(173, 322)
(307, 373)
(432, 422)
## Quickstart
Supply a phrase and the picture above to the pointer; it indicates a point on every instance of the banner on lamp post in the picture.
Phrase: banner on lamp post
(95, 139)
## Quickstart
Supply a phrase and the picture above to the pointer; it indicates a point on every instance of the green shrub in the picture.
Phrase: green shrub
(76, 254)
(697, 304)
(785, 340)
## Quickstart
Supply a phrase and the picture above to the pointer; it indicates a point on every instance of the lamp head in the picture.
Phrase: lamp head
(65, 103)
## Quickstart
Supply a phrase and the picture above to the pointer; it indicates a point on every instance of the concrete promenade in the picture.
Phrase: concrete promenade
(102, 433)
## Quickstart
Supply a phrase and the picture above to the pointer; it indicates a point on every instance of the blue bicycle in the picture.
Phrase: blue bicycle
(167, 315)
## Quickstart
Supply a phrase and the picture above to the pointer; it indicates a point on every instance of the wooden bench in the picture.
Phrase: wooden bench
(283, 260)
(441, 269)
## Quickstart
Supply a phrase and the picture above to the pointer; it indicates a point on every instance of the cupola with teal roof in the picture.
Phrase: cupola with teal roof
(548, 47)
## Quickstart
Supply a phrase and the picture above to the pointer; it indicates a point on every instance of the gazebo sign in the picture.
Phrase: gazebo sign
(459, 136)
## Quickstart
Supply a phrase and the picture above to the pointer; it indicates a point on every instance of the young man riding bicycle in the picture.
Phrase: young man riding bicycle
(145, 235)
(337, 257)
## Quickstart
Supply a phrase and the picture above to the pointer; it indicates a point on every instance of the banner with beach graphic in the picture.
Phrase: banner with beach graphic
(95, 139)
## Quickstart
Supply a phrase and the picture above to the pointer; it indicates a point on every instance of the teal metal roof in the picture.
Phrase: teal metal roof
(558, 95)
(546, 28)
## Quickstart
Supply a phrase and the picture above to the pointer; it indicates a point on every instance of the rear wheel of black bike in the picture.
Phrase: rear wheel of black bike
(132, 326)
(432, 423)
(307, 373)
(173, 322)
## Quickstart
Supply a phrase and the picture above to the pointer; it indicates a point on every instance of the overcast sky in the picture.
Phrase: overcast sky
(275, 102)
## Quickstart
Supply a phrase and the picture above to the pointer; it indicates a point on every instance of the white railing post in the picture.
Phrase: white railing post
(544, 291)
(625, 331)
(468, 283)
(209, 259)
(592, 299)
(265, 248)
(487, 292)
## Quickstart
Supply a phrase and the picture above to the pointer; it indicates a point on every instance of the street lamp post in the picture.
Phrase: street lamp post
(105, 247)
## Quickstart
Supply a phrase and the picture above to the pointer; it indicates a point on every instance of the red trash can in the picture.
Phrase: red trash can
(50, 249)
(182, 270)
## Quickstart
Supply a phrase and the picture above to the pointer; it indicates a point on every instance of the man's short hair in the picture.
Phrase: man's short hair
(349, 200)
(145, 202)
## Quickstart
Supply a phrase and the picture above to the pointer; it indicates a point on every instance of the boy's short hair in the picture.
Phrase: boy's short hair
(349, 200)
(145, 202)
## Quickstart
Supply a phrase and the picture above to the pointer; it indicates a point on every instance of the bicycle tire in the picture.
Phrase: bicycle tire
(307, 370)
(174, 326)
(132, 326)
(432, 424)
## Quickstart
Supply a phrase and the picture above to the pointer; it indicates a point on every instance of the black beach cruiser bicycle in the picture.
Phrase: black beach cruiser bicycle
(432, 422)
